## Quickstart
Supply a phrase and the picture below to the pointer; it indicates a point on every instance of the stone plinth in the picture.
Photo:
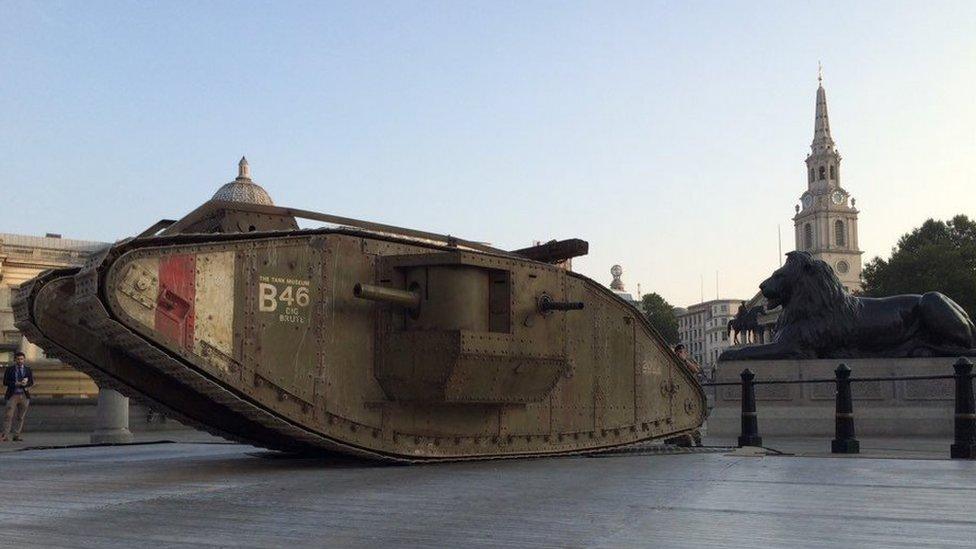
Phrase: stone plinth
(885, 408)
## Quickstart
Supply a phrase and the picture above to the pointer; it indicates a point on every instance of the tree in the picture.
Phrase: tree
(938, 256)
(660, 314)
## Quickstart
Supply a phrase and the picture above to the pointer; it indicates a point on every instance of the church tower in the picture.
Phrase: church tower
(826, 219)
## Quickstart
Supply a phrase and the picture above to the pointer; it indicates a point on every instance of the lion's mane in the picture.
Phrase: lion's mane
(819, 311)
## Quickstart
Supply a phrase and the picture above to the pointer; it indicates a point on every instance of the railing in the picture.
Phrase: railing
(845, 442)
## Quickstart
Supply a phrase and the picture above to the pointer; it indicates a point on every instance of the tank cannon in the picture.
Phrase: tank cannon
(409, 300)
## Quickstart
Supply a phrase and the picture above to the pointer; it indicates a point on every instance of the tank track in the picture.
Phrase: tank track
(21, 302)
(88, 297)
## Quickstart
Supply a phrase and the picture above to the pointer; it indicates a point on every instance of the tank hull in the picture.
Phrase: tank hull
(260, 338)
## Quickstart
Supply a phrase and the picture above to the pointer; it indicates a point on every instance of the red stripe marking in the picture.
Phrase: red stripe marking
(174, 304)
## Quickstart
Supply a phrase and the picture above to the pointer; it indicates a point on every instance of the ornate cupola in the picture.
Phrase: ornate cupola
(243, 189)
(617, 283)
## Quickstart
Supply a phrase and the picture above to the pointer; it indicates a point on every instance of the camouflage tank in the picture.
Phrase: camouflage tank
(362, 338)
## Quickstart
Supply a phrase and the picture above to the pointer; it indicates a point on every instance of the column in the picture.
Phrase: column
(111, 419)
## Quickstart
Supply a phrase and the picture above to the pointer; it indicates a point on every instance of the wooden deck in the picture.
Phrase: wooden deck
(230, 495)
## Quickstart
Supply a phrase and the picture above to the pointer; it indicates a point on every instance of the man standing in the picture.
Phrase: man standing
(18, 379)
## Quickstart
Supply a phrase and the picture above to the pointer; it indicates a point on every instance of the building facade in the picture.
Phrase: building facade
(63, 399)
(23, 257)
(826, 219)
(703, 329)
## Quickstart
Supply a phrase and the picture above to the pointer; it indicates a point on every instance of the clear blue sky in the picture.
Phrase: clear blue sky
(670, 135)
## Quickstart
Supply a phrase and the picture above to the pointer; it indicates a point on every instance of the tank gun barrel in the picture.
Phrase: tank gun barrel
(400, 298)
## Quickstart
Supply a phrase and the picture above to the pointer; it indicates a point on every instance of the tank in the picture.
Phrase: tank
(363, 339)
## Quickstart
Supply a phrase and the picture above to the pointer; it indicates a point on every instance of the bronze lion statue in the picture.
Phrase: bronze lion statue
(821, 320)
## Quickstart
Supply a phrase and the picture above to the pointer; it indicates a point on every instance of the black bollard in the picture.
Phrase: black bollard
(965, 431)
(750, 424)
(844, 441)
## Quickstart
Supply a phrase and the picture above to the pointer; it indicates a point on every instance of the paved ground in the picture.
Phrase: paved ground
(204, 494)
(900, 448)
(916, 448)
(78, 438)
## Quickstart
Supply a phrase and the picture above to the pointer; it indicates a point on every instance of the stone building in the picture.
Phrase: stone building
(826, 219)
(23, 257)
(63, 398)
(703, 329)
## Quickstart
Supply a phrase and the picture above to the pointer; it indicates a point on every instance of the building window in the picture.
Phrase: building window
(725, 336)
(807, 236)
(839, 232)
(832, 174)
(811, 174)
(823, 173)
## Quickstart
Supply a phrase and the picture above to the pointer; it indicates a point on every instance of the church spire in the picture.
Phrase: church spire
(822, 141)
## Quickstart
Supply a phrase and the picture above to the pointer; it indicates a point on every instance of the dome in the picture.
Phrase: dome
(243, 189)
(617, 284)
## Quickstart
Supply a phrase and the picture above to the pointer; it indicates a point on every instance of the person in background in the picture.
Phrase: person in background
(18, 379)
(682, 353)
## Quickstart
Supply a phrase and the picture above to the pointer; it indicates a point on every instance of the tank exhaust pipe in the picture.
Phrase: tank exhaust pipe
(400, 298)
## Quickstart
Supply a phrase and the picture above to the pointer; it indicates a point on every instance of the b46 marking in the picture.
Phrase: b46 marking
(286, 297)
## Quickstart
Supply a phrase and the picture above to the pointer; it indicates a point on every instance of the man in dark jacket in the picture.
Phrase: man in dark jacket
(18, 379)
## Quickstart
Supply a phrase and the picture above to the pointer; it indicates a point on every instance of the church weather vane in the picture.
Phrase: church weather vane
(819, 72)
